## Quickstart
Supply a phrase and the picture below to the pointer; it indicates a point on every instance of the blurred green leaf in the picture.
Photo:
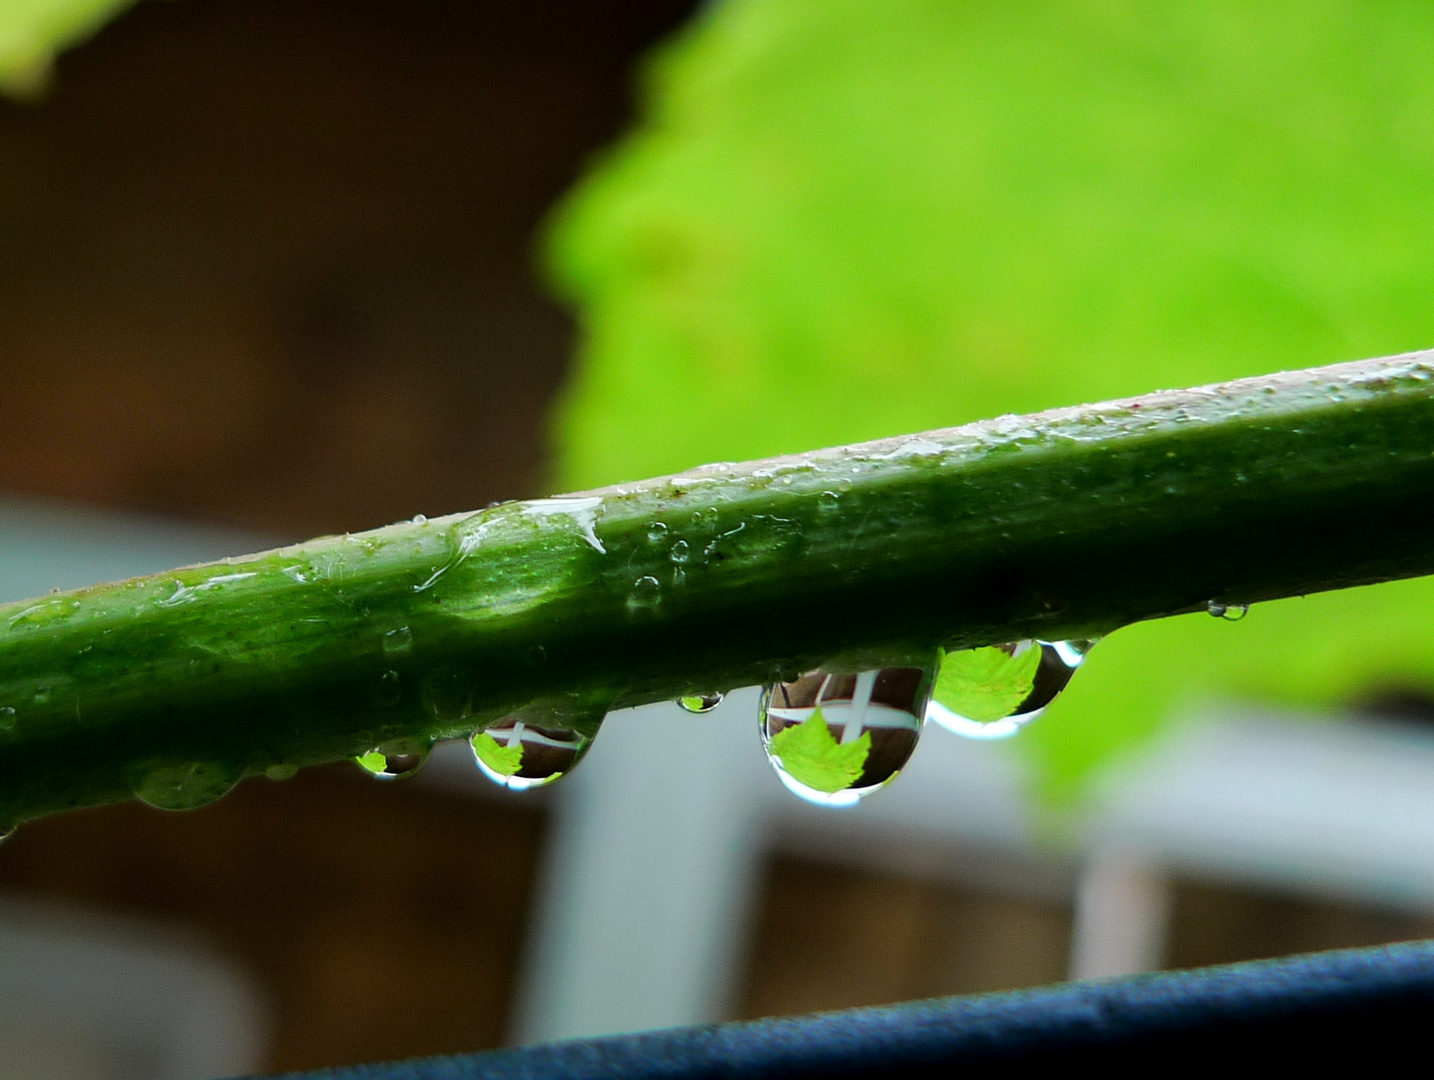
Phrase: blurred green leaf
(32, 32)
(811, 755)
(840, 220)
(986, 684)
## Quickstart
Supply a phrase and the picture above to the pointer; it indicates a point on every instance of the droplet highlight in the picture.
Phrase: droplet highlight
(699, 703)
(992, 692)
(1228, 612)
(834, 738)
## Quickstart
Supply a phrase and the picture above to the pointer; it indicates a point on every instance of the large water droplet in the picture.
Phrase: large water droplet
(7, 718)
(398, 641)
(1228, 612)
(403, 757)
(835, 738)
(518, 754)
(700, 703)
(991, 693)
(186, 785)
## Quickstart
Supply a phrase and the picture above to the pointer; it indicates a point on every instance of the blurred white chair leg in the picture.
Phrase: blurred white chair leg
(1122, 916)
(644, 892)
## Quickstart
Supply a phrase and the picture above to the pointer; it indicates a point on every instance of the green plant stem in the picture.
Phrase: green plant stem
(1063, 524)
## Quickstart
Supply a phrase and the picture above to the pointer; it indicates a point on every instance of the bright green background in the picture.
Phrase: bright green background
(842, 219)
(32, 31)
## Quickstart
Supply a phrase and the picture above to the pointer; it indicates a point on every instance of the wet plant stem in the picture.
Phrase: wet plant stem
(1062, 524)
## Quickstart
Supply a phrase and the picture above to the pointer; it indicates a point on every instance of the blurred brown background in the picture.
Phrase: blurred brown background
(269, 263)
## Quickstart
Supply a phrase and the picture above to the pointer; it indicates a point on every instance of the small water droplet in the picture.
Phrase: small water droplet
(393, 760)
(646, 594)
(282, 771)
(991, 693)
(1228, 612)
(419, 519)
(7, 718)
(186, 785)
(834, 738)
(447, 696)
(520, 755)
(700, 703)
(656, 532)
(398, 641)
(679, 552)
(828, 501)
(390, 688)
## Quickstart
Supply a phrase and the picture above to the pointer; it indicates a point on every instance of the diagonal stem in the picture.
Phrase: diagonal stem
(1064, 524)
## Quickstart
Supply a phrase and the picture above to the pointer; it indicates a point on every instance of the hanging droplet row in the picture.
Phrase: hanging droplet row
(833, 737)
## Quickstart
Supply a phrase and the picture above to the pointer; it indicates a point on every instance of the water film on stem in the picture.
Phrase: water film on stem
(992, 692)
(834, 738)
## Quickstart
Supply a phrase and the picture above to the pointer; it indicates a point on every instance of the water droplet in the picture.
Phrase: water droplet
(186, 785)
(393, 760)
(419, 519)
(447, 695)
(519, 755)
(283, 770)
(835, 738)
(656, 532)
(7, 718)
(1228, 612)
(390, 688)
(646, 594)
(700, 703)
(828, 501)
(991, 693)
(679, 552)
(398, 641)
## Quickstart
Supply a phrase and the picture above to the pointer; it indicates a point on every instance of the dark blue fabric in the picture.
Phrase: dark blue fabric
(1354, 1008)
